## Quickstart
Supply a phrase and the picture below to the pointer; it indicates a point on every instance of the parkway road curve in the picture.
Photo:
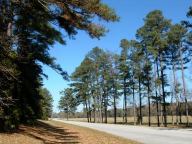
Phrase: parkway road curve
(146, 135)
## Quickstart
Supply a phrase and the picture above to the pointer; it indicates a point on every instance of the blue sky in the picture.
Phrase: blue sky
(131, 14)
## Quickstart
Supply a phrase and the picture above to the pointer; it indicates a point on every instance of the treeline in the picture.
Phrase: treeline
(149, 72)
(28, 28)
(171, 114)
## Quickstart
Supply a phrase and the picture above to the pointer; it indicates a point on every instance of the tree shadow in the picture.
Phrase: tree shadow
(49, 134)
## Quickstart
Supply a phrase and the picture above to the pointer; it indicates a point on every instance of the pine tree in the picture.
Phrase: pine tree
(82, 83)
(67, 102)
(115, 84)
(153, 38)
(46, 103)
(96, 56)
(137, 61)
(175, 38)
(124, 73)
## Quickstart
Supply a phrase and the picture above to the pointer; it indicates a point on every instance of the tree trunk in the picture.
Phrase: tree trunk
(149, 105)
(174, 90)
(94, 108)
(115, 108)
(123, 110)
(172, 119)
(140, 103)
(162, 120)
(102, 101)
(177, 111)
(99, 99)
(105, 113)
(100, 108)
(87, 111)
(94, 114)
(2, 124)
(9, 29)
(163, 91)
(156, 94)
(105, 98)
(134, 112)
(184, 87)
(125, 99)
(159, 89)
(67, 114)
(148, 98)
(180, 114)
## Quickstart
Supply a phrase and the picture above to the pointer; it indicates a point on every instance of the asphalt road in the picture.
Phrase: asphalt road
(141, 134)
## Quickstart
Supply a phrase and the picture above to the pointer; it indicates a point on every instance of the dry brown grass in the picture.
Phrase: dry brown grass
(145, 120)
(51, 132)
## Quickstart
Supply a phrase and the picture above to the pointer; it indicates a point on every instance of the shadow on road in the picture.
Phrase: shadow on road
(49, 134)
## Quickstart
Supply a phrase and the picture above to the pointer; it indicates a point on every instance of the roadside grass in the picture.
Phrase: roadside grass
(52, 132)
(110, 120)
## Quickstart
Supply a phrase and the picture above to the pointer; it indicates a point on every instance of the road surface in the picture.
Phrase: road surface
(141, 134)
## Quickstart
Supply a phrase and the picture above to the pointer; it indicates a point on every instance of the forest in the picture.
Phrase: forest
(151, 75)
(28, 29)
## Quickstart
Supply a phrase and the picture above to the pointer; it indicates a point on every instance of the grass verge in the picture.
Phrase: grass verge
(52, 132)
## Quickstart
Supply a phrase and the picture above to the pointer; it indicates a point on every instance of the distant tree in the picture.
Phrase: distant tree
(95, 82)
(67, 102)
(46, 103)
(82, 83)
